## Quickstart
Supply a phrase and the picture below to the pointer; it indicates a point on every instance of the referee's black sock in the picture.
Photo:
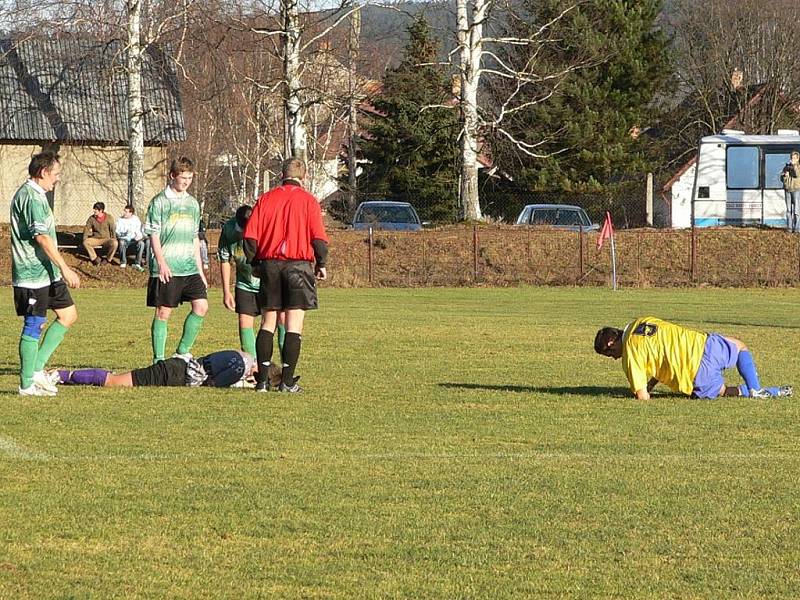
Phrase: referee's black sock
(263, 354)
(291, 354)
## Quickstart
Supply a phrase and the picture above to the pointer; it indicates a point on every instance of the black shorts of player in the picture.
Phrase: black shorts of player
(247, 303)
(170, 372)
(287, 284)
(36, 302)
(176, 291)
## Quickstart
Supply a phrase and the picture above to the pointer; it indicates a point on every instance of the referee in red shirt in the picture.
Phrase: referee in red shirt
(285, 241)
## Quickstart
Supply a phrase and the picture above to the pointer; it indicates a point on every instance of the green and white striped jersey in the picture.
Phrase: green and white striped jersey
(176, 221)
(230, 246)
(31, 216)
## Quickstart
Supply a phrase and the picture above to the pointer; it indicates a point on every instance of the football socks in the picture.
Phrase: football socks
(191, 328)
(158, 336)
(263, 354)
(291, 354)
(52, 339)
(281, 338)
(747, 369)
(84, 377)
(28, 349)
(247, 340)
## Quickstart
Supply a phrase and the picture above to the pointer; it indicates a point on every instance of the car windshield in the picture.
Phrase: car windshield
(386, 214)
(558, 216)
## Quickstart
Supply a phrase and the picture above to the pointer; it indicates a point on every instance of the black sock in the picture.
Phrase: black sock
(291, 354)
(263, 354)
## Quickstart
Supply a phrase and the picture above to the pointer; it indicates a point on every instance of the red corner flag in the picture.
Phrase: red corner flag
(606, 232)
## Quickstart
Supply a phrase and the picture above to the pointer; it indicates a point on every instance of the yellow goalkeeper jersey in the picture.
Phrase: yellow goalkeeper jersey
(652, 348)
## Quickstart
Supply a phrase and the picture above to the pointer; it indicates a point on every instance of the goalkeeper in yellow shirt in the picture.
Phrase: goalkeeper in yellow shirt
(688, 361)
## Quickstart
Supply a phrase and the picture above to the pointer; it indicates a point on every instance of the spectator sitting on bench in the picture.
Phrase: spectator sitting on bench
(99, 232)
(129, 233)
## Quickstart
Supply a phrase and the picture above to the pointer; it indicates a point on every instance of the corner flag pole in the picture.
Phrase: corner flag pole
(613, 262)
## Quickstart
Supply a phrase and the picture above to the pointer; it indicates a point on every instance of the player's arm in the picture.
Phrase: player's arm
(199, 260)
(224, 257)
(51, 250)
(319, 240)
(164, 273)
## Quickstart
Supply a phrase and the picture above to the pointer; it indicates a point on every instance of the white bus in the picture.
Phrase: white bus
(738, 179)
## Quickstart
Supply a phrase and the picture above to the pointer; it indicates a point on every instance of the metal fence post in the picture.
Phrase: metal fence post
(693, 257)
(580, 251)
(475, 252)
(369, 257)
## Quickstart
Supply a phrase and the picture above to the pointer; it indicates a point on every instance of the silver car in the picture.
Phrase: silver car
(561, 216)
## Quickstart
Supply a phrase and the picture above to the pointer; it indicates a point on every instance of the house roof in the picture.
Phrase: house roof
(75, 90)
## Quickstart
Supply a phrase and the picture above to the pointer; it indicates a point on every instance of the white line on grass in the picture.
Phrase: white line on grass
(10, 449)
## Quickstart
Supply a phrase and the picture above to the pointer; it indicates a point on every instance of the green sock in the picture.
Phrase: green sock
(191, 327)
(28, 349)
(158, 336)
(281, 338)
(247, 340)
(52, 338)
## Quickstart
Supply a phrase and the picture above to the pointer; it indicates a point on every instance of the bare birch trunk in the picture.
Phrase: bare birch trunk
(135, 112)
(296, 143)
(352, 110)
(470, 40)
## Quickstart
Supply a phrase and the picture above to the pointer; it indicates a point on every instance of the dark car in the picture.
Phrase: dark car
(384, 214)
(561, 216)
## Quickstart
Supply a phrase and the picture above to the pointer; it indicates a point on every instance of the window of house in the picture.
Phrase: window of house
(742, 167)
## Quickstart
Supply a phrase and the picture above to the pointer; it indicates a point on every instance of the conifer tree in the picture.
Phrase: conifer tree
(410, 141)
(590, 124)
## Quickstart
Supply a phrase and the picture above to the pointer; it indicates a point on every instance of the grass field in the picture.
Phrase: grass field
(451, 443)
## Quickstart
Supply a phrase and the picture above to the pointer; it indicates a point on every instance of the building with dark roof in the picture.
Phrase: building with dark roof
(70, 94)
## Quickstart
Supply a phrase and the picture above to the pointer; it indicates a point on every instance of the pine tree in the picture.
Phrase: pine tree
(411, 139)
(591, 120)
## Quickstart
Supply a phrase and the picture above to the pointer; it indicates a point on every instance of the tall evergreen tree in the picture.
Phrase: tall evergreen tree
(411, 139)
(589, 125)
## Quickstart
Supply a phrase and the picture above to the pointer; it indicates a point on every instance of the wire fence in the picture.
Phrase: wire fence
(507, 255)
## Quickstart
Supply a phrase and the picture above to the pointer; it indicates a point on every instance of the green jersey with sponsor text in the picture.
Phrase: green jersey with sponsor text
(230, 246)
(31, 216)
(176, 221)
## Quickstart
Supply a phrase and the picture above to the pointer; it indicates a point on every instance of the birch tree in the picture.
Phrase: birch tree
(135, 110)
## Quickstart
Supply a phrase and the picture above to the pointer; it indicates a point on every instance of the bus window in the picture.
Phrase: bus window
(742, 167)
(773, 166)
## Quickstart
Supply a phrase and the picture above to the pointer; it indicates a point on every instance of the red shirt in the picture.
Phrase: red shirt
(284, 221)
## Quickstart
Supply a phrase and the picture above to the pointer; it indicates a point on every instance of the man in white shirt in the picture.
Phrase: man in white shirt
(129, 231)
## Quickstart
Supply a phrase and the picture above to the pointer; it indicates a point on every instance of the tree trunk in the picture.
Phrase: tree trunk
(135, 112)
(296, 136)
(352, 111)
(470, 40)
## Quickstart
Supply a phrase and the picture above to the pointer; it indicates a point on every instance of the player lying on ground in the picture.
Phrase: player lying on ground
(686, 360)
(218, 369)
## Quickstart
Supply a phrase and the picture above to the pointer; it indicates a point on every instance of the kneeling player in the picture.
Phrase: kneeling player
(686, 360)
(218, 369)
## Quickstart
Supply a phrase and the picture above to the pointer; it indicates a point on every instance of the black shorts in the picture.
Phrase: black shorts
(287, 284)
(36, 302)
(170, 372)
(247, 303)
(176, 291)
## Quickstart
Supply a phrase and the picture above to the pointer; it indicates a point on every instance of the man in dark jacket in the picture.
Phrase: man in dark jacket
(100, 232)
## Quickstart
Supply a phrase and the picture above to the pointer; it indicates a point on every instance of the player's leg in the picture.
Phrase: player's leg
(31, 305)
(194, 291)
(247, 309)
(746, 366)
(264, 346)
(291, 348)
(65, 318)
(162, 297)
(300, 295)
(247, 337)
(96, 377)
(281, 331)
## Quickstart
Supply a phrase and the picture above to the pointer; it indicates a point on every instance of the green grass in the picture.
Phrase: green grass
(451, 443)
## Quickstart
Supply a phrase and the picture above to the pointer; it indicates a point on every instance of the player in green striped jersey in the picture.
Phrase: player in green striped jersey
(176, 270)
(38, 274)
